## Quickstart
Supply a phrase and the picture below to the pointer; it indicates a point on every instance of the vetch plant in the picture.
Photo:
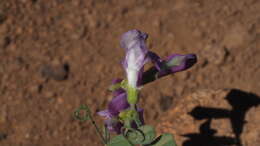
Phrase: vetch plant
(123, 116)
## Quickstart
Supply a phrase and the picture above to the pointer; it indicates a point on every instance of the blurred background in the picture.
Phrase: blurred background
(58, 54)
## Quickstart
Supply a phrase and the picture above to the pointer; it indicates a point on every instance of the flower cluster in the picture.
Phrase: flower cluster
(123, 109)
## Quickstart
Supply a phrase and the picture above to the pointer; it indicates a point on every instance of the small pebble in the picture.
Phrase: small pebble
(4, 41)
(3, 136)
(216, 53)
(57, 72)
(237, 36)
(165, 102)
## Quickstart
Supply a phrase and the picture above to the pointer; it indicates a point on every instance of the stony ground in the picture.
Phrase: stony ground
(58, 54)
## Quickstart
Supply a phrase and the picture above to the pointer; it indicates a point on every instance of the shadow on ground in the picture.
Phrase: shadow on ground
(241, 102)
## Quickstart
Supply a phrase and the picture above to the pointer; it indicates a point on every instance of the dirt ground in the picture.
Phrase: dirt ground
(58, 54)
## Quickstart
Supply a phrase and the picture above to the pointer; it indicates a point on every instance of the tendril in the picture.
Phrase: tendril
(84, 117)
(87, 116)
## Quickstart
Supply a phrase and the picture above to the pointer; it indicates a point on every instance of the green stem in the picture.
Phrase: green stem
(138, 122)
(132, 98)
(98, 130)
(132, 95)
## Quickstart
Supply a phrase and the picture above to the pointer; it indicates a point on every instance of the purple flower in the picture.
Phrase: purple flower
(115, 106)
(133, 42)
(111, 115)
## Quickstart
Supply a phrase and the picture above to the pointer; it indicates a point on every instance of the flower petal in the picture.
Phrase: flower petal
(113, 125)
(105, 113)
(118, 104)
(156, 60)
(136, 54)
(132, 37)
(176, 63)
(117, 80)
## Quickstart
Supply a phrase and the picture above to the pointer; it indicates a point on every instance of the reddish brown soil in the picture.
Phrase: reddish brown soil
(58, 54)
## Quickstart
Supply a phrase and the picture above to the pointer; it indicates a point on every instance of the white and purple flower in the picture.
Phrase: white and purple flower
(137, 55)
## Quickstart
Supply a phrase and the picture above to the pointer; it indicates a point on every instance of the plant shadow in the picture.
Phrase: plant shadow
(241, 102)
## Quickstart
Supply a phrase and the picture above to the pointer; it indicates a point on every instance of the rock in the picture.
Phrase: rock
(4, 41)
(49, 94)
(251, 132)
(214, 117)
(179, 5)
(215, 53)
(36, 88)
(56, 72)
(165, 102)
(92, 21)
(2, 19)
(3, 115)
(3, 136)
(79, 33)
(237, 36)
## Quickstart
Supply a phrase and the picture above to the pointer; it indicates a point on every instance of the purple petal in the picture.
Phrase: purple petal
(113, 125)
(118, 92)
(176, 63)
(132, 37)
(136, 54)
(117, 80)
(140, 76)
(118, 104)
(105, 113)
(156, 60)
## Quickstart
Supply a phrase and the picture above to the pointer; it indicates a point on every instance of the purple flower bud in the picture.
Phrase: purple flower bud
(118, 104)
(174, 63)
(115, 106)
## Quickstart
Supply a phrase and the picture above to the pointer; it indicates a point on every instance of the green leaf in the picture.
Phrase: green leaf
(164, 140)
(119, 140)
(143, 135)
(123, 84)
(149, 133)
(135, 136)
(115, 87)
